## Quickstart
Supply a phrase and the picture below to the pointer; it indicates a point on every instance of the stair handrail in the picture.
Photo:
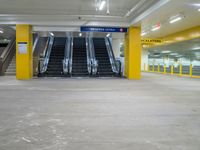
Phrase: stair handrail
(7, 55)
(89, 56)
(66, 55)
(94, 62)
(35, 43)
(7, 49)
(111, 56)
(71, 55)
(47, 54)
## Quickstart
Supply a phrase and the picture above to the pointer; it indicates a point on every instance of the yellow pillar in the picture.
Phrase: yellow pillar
(158, 68)
(165, 67)
(190, 70)
(172, 69)
(24, 58)
(133, 49)
(181, 70)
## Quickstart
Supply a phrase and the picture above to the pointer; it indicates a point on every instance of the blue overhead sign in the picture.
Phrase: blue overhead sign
(103, 29)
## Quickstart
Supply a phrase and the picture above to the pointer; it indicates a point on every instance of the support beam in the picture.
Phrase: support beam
(24, 58)
(133, 50)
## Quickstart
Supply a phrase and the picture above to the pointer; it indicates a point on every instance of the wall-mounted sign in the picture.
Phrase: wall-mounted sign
(103, 29)
(22, 47)
(152, 41)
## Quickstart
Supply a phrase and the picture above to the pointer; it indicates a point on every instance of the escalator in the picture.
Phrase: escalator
(79, 65)
(55, 65)
(101, 53)
(7, 57)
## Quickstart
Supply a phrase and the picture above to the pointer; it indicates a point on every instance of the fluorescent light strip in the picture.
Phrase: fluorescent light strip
(176, 19)
(155, 28)
(102, 4)
(144, 33)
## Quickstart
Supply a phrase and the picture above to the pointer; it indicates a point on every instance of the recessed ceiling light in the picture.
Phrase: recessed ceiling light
(102, 4)
(173, 54)
(199, 9)
(143, 33)
(166, 52)
(196, 48)
(176, 20)
(80, 34)
(156, 27)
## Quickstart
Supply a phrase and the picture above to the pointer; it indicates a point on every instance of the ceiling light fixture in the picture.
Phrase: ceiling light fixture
(1, 31)
(102, 4)
(155, 28)
(199, 9)
(173, 54)
(196, 48)
(175, 20)
(80, 34)
(166, 52)
(143, 33)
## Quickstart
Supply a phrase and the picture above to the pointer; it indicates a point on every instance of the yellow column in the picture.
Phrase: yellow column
(24, 58)
(172, 69)
(165, 71)
(133, 49)
(190, 70)
(158, 68)
(181, 70)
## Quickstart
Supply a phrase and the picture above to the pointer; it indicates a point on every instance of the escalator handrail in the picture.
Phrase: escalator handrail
(88, 52)
(71, 55)
(111, 55)
(35, 43)
(47, 54)
(94, 62)
(66, 56)
(7, 50)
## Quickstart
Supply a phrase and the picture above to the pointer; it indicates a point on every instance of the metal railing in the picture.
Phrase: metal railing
(35, 43)
(71, 55)
(116, 65)
(47, 54)
(66, 56)
(7, 55)
(88, 52)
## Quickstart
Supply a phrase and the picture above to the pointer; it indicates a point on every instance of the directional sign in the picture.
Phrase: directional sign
(152, 41)
(103, 29)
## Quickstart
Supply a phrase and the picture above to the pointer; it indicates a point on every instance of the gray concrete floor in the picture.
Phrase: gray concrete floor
(157, 113)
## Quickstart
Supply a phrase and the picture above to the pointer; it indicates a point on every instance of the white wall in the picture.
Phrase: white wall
(116, 47)
(144, 59)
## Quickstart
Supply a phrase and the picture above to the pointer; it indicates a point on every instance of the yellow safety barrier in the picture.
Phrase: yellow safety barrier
(190, 74)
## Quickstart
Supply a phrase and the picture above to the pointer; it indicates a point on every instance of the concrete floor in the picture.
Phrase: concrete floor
(157, 113)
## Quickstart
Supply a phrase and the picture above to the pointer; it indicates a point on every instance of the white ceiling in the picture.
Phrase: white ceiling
(188, 8)
(69, 15)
